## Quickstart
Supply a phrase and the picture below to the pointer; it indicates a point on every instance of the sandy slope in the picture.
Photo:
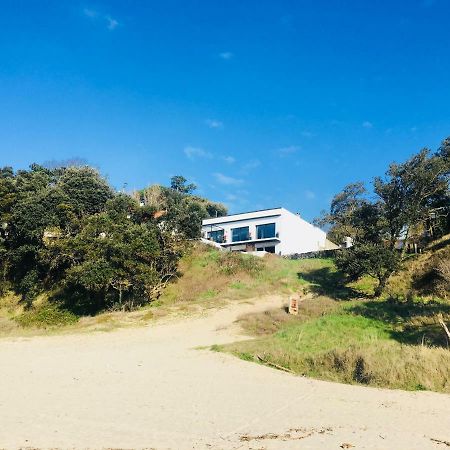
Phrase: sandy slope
(149, 388)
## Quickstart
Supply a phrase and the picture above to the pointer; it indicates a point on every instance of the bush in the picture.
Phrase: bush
(443, 272)
(231, 263)
(320, 254)
(49, 315)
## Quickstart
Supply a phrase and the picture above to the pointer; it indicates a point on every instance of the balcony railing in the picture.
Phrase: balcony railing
(244, 238)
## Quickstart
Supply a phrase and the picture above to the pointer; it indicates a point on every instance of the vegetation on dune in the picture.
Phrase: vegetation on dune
(411, 206)
(208, 274)
(378, 313)
(48, 315)
(205, 278)
(66, 235)
(386, 342)
(350, 349)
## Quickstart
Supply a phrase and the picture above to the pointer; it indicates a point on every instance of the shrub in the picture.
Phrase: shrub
(49, 315)
(443, 272)
(231, 263)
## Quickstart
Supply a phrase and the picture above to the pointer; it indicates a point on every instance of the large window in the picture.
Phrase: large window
(240, 234)
(270, 249)
(216, 236)
(265, 231)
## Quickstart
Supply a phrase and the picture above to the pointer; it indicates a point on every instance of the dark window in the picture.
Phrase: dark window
(269, 249)
(216, 236)
(265, 231)
(240, 234)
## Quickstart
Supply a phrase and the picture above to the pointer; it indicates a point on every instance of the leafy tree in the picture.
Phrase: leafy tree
(444, 151)
(114, 261)
(408, 191)
(3, 266)
(377, 260)
(46, 202)
(87, 190)
(177, 209)
(7, 195)
(406, 196)
(7, 199)
(179, 183)
(122, 206)
(341, 215)
(65, 228)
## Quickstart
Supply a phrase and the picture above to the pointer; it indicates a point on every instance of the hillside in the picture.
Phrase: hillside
(425, 274)
(340, 334)
(395, 341)
(206, 278)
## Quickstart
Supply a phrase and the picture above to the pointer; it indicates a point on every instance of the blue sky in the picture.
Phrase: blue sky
(261, 103)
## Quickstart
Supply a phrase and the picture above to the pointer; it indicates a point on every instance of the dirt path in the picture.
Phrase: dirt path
(149, 388)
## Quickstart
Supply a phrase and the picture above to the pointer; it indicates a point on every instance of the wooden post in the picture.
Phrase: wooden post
(293, 304)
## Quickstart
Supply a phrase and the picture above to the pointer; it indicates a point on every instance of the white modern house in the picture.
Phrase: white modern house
(275, 230)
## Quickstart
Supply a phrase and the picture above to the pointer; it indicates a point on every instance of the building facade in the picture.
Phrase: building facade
(274, 230)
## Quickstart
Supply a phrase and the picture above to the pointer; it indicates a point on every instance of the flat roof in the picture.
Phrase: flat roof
(246, 212)
(259, 213)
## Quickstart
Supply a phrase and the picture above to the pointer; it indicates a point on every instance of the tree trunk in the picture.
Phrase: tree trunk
(404, 243)
(381, 284)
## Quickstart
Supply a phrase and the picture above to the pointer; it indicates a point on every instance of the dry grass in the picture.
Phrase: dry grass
(270, 321)
(425, 274)
(387, 364)
(382, 363)
(208, 275)
(201, 277)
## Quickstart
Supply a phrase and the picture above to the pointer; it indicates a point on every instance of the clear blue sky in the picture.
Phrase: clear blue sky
(261, 103)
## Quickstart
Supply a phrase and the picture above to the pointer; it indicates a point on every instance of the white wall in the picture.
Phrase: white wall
(299, 236)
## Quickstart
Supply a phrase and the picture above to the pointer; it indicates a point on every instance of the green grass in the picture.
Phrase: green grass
(333, 330)
(342, 334)
(364, 342)
(207, 274)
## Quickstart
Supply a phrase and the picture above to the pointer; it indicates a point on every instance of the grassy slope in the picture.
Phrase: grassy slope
(419, 277)
(344, 345)
(341, 336)
(207, 279)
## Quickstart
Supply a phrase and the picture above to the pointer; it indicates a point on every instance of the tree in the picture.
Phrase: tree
(7, 196)
(340, 218)
(114, 261)
(65, 229)
(176, 209)
(376, 260)
(406, 197)
(408, 191)
(178, 183)
(86, 190)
